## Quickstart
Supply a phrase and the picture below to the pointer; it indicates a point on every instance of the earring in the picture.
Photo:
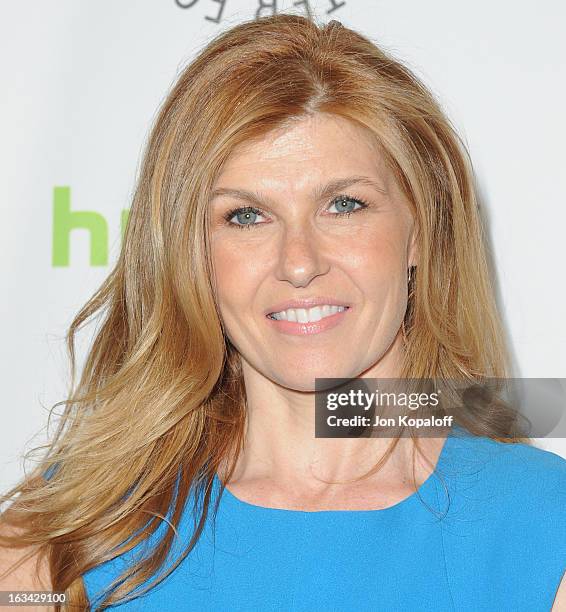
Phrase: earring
(409, 273)
(403, 330)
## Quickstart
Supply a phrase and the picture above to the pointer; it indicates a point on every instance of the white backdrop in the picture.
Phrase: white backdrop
(82, 81)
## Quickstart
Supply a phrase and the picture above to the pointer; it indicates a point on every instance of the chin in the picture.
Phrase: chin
(303, 379)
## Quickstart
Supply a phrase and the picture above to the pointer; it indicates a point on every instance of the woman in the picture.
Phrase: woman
(304, 211)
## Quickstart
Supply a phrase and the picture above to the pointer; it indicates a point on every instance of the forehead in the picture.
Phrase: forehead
(317, 143)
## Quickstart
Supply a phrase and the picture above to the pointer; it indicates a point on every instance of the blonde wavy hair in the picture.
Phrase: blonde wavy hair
(161, 391)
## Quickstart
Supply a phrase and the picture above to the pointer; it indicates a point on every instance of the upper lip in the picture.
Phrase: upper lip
(306, 303)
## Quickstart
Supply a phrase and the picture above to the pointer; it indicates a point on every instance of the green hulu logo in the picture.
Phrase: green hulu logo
(65, 220)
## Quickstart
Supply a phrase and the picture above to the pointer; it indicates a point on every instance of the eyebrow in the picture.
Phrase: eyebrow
(322, 192)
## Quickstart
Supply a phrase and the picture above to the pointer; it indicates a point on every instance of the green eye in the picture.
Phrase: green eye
(345, 204)
(245, 217)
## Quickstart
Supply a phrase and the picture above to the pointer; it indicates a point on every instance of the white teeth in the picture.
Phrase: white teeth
(302, 315)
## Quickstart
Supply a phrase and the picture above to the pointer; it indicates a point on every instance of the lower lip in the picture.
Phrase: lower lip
(303, 329)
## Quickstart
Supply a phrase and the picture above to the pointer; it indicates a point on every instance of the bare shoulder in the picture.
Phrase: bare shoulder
(22, 571)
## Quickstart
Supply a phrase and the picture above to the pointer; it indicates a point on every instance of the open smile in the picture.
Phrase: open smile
(303, 321)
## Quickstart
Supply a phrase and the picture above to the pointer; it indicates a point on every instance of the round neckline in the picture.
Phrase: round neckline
(415, 496)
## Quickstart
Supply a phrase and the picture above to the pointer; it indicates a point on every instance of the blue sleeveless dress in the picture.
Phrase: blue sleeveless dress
(485, 532)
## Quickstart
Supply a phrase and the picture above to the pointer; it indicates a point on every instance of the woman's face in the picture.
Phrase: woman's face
(312, 212)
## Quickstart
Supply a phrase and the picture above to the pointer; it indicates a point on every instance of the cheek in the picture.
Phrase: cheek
(376, 261)
(236, 275)
(376, 256)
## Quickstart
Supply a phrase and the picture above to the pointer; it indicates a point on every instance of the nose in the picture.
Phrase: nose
(300, 258)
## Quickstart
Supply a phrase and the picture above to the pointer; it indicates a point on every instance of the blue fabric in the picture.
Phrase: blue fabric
(497, 542)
